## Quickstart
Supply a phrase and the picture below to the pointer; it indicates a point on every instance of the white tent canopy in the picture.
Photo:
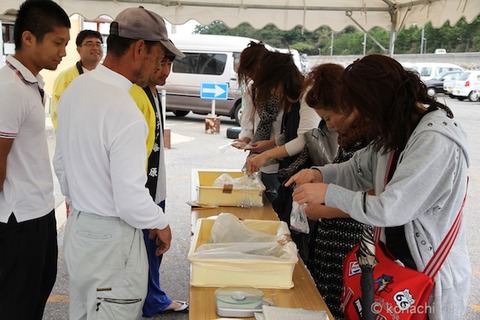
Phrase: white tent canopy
(285, 14)
(391, 15)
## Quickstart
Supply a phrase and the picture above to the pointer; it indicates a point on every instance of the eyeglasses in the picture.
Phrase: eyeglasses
(91, 44)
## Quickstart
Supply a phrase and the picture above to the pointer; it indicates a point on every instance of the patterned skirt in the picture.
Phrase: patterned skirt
(334, 238)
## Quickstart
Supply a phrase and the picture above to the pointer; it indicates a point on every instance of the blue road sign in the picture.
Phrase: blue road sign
(214, 91)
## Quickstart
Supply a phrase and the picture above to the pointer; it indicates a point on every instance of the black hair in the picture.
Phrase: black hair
(39, 17)
(82, 35)
(169, 55)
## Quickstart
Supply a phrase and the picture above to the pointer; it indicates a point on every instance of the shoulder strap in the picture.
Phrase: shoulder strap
(391, 166)
(435, 263)
(441, 254)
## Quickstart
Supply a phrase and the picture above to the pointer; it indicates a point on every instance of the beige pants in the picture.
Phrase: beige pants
(107, 266)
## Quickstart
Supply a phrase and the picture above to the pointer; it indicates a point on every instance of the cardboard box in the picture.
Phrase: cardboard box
(208, 195)
(235, 272)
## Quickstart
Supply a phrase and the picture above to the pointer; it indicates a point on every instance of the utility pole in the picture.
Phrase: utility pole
(364, 43)
(421, 40)
(331, 45)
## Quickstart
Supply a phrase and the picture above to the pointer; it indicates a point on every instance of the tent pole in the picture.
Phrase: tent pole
(391, 45)
(349, 14)
(393, 29)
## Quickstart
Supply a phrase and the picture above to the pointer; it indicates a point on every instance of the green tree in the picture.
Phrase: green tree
(463, 37)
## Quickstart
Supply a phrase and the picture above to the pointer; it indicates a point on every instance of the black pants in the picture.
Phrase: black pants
(28, 266)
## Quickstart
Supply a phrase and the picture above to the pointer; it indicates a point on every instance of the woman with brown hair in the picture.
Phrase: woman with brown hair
(416, 204)
(274, 87)
(332, 239)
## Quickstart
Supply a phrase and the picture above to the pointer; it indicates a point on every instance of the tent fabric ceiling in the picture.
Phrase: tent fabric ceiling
(391, 15)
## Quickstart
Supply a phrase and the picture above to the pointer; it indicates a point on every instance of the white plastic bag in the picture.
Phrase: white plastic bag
(244, 185)
(244, 182)
(232, 239)
(298, 218)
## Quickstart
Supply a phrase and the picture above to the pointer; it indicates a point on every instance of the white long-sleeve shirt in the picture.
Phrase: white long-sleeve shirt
(100, 153)
(250, 119)
(309, 119)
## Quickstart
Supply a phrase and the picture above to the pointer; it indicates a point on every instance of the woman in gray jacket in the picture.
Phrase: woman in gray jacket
(419, 203)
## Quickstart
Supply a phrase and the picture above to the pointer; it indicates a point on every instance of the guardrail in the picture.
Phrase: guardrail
(467, 60)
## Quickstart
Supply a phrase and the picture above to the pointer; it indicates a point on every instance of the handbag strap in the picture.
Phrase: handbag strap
(440, 255)
(391, 166)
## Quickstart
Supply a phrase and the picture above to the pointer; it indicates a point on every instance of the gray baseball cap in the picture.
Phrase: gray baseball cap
(140, 23)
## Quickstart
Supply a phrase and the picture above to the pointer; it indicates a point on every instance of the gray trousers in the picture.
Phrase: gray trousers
(107, 267)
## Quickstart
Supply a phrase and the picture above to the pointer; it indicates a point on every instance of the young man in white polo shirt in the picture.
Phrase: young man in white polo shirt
(28, 234)
(100, 160)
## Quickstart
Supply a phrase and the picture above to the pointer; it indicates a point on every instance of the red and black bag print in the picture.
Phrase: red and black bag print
(400, 293)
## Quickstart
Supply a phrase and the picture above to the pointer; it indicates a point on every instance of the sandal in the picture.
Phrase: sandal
(183, 307)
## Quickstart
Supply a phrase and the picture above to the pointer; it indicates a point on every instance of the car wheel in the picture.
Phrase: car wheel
(179, 113)
(473, 96)
(431, 92)
(233, 132)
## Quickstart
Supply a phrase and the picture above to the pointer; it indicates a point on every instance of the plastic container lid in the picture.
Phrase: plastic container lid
(239, 295)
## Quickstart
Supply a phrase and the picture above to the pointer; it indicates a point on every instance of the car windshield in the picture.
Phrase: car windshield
(440, 76)
(464, 76)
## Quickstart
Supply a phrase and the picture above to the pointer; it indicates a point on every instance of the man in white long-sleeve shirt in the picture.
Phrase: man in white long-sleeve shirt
(100, 161)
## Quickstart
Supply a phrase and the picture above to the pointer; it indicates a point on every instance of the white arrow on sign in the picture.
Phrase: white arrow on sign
(217, 91)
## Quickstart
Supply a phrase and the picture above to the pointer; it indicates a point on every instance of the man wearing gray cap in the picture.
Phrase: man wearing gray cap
(100, 160)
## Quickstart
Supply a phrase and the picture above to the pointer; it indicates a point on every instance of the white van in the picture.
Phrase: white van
(208, 59)
(430, 70)
(299, 60)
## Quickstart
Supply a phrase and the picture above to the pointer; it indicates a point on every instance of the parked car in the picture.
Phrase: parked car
(435, 85)
(467, 86)
(430, 70)
(448, 84)
(208, 59)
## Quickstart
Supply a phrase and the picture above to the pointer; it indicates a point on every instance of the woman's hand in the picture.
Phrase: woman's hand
(260, 146)
(240, 143)
(310, 193)
(305, 176)
(255, 162)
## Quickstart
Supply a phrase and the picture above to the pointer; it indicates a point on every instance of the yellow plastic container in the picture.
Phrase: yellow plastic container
(209, 195)
(235, 272)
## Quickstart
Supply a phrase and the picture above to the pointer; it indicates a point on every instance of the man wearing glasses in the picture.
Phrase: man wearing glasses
(89, 47)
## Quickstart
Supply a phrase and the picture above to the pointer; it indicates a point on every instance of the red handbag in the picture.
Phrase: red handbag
(399, 293)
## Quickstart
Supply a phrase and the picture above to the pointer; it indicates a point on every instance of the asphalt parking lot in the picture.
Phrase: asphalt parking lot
(193, 148)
